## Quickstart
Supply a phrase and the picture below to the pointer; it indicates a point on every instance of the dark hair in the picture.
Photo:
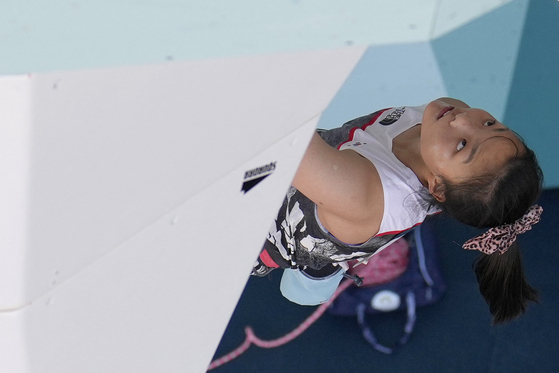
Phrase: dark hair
(493, 200)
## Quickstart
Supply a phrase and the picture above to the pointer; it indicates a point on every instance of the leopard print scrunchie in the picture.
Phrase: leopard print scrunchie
(500, 238)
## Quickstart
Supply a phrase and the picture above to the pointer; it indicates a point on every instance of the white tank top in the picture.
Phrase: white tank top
(403, 205)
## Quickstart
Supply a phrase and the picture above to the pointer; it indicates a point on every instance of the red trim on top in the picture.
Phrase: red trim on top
(352, 132)
(350, 138)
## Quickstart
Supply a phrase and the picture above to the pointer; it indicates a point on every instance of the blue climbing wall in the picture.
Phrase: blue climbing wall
(501, 55)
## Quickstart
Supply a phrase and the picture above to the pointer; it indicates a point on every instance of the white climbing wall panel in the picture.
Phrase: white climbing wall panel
(126, 236)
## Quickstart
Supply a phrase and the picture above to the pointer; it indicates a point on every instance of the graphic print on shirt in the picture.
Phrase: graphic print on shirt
(357, 143)
(289, 234)
(287, 243)
(393, 117)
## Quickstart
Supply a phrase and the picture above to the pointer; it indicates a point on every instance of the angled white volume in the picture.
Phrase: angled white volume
(136, 226)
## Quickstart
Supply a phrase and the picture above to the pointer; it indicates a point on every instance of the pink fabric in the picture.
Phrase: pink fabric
(384, 266)
(500, 238)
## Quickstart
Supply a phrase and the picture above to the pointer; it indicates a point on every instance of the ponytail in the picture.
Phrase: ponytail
(503, 285)
(497, 201)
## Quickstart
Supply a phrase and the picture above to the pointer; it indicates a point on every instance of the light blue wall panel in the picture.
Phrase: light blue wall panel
(477, 60)
(533, 107)
(386, 76)
(38, 36)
